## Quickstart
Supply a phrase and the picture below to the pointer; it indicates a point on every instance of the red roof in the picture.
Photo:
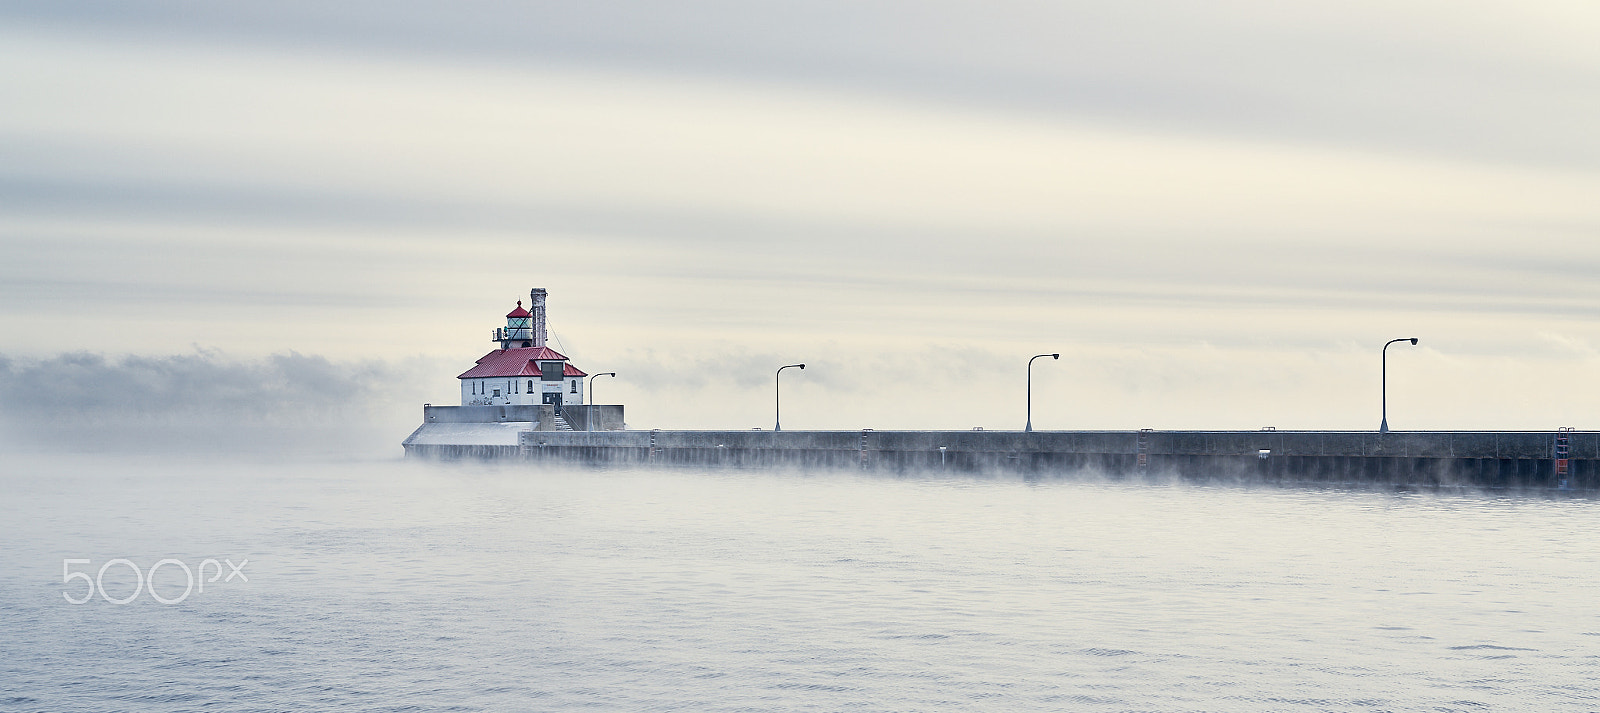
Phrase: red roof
(519, 311)
(523, 361)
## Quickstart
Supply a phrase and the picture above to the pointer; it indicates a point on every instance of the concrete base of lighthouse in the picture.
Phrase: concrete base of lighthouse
(486, 431)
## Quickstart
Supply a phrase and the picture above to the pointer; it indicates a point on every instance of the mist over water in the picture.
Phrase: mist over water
(284, 406)
(388, 585)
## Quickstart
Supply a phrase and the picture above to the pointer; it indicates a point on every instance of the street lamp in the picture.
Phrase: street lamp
(1029, 429)
(1384, 427)
(594, 414)
(777, 402)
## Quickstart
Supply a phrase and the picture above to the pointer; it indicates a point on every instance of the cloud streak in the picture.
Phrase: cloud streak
(1387, 75)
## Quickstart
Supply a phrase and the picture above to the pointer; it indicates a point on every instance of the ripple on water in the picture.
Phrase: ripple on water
(398, 587)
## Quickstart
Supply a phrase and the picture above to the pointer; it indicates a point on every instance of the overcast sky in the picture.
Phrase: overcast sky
(1217, 212)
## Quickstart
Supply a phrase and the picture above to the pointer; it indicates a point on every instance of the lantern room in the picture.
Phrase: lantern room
(518, 331)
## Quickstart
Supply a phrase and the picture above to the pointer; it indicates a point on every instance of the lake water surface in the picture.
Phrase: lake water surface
(389, 586)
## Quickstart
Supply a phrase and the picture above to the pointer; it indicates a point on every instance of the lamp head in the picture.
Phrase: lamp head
(803, 366)
(1055, 356)
(1413, 341)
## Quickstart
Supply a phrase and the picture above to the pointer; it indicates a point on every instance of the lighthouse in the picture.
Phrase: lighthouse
(520, 390)
(523, 371)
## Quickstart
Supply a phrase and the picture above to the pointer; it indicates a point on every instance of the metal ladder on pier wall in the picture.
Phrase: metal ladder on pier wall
(1142, 448)
(864, 433)
(653, 451)
(1563, 456)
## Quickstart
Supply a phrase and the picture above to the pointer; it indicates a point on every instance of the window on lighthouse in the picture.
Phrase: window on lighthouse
(550, 371)
(517, 328)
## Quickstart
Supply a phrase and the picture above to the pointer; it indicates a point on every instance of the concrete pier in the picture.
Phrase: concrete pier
(1510, 459)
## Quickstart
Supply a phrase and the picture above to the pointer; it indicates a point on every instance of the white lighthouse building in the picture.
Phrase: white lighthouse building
(523, 371)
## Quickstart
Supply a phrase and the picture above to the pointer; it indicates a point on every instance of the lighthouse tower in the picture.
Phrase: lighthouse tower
(524, 328)
(518, 332)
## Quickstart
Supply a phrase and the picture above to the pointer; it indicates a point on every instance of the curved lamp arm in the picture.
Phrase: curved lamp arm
(777, 397)
(592, 413)
(1383, 426)
(1029, 427)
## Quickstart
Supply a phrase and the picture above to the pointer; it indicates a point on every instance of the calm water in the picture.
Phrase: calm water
(396, 586)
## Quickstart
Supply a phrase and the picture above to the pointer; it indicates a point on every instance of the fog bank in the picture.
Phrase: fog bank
(207, 401)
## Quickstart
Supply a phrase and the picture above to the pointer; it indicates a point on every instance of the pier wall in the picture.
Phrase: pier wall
(602, 417)
(1484, 458)
(479, 414)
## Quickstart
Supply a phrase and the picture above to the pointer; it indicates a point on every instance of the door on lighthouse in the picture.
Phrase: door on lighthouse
(554, 399)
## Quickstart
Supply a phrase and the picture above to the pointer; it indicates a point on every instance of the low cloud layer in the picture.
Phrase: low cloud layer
(295, 405)
(204, 384)
(208, 402)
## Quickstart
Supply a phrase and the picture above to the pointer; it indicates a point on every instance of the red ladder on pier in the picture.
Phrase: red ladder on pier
(1563, 453)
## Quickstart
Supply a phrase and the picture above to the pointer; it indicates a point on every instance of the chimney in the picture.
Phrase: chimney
(537, 297)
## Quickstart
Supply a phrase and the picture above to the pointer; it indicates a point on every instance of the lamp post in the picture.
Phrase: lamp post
(1384, 426)
(593, 414)
(777, 397)
(1029, 428)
